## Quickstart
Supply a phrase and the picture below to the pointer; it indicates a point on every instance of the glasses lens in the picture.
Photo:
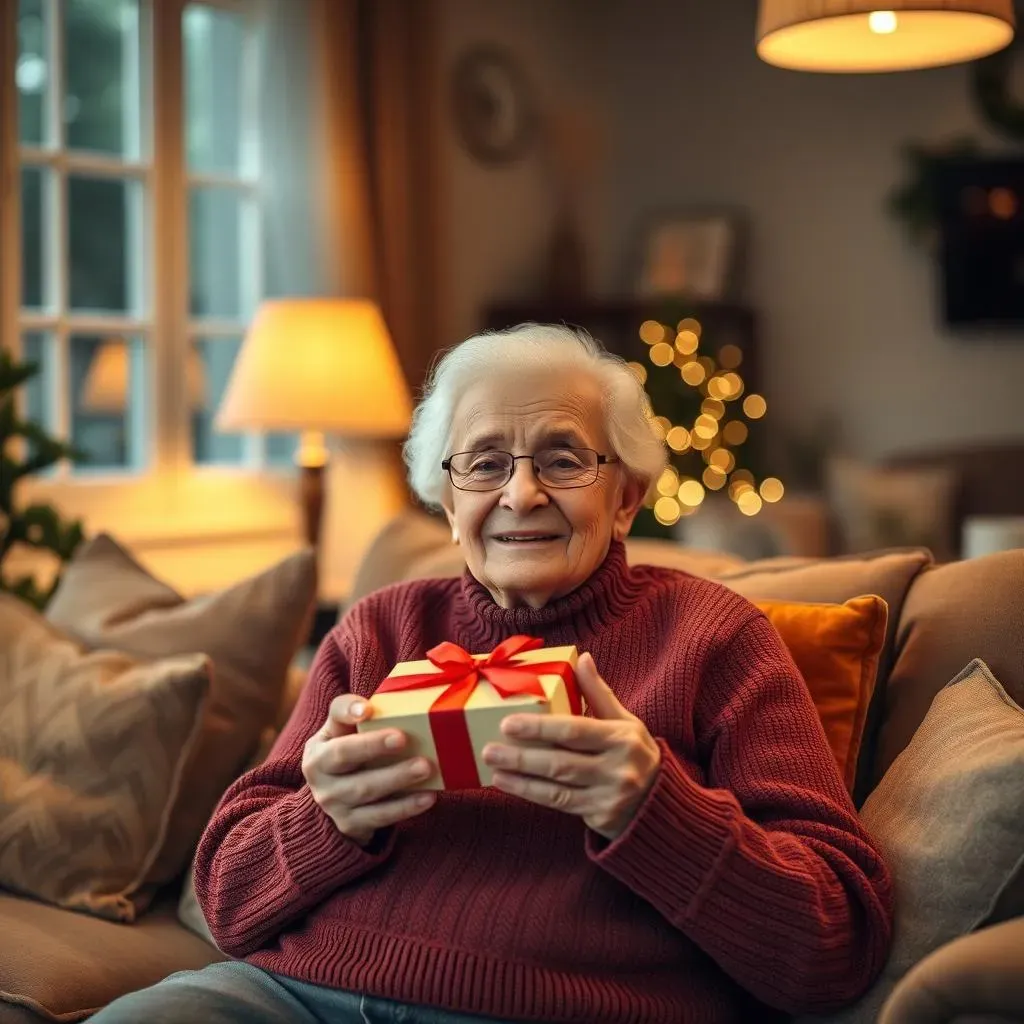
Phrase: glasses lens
(566, 467)
(480, 471)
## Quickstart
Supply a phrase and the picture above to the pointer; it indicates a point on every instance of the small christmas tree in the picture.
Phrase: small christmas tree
(706, 416)
(36, 526)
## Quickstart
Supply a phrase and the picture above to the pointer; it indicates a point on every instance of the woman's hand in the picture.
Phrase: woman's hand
(598, 768)
(360, 800)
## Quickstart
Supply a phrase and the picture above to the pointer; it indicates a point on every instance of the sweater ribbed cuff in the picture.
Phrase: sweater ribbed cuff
(674, 848)
(319, 857)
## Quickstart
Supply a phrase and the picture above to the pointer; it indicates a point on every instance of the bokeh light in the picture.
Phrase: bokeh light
(729, 357)
(678, 439)
(755, 406)
(771, 489)
(651, 332)
(662, 353)
(691, 493)
(693, 373)
(735, 432)
(749, 503)
(666, 511)
(668, 482)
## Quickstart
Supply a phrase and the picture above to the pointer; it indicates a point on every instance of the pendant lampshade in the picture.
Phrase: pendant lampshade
(884, 35)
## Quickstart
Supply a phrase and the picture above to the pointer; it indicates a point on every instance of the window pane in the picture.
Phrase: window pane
(31, 73)
(107, 388)
(38, 404)
(216, 253)
(32, 237)
(104, 244)
(281, 448)
(215, 358)
(214, 50)
(102, 81)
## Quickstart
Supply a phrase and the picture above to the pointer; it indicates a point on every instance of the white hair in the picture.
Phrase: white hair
(549, 347)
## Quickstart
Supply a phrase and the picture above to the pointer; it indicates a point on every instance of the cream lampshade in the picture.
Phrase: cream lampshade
(317, 366)
(886, 35)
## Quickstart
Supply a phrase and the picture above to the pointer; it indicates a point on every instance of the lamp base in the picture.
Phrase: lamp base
(311, 494)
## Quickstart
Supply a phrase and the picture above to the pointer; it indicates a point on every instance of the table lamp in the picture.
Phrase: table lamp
(317, 366)
(880, 35)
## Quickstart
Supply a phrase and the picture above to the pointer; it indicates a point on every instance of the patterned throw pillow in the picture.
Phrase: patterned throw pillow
(250, 631)
(92, 747)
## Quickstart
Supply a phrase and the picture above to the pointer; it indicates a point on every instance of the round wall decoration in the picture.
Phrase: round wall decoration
(493, 110)
(994, 81)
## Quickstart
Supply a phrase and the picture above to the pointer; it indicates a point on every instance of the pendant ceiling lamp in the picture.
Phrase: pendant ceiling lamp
(888, 35)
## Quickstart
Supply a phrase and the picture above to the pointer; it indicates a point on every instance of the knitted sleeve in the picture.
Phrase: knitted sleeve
(270, 854)
(763, 863)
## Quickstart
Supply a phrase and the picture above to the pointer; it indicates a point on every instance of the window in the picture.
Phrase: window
(138, 260)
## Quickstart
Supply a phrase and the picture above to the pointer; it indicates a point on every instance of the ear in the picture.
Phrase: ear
(631, 500)
(449, 514)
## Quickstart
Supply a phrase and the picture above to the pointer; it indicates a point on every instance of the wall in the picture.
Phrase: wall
(498, 219)
(848, 306)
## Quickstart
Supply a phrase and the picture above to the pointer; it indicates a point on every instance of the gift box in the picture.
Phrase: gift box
(451, 705)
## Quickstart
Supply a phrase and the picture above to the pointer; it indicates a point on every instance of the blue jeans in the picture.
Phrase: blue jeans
(234, 992)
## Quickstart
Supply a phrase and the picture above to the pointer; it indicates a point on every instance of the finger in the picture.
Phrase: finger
(344, 714)
(344, 754)
(551, 763)
(596, 692)
(570, 731)
(542, 792)
(389, 812)
(375, 784)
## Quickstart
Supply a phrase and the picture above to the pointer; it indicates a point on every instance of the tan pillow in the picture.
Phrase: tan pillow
(885, 507)
(968, 609)
(250, 632)
(947, 820)
(92, 747)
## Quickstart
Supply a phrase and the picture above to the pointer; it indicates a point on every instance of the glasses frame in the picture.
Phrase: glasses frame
(602, 460)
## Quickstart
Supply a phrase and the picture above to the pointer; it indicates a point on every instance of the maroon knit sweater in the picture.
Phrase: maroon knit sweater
(745, 873)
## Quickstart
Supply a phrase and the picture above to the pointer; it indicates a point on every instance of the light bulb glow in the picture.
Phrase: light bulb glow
(883, 23)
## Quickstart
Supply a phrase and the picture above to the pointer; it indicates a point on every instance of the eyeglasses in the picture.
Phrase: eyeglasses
(554, 467)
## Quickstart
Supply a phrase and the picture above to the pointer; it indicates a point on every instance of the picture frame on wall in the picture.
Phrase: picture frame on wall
(690, 253)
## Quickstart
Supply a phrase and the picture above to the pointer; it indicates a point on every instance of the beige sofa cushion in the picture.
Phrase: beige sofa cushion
(947, 820)
(92, 747)
(250, 632)
(64, 966)
(955, 612)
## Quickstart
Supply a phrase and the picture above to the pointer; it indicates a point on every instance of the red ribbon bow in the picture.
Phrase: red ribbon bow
(461, 671)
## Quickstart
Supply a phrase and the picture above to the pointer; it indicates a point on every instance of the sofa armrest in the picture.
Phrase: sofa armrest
(978, 976)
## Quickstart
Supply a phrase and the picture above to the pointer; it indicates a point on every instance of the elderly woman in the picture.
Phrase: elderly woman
(684, 852)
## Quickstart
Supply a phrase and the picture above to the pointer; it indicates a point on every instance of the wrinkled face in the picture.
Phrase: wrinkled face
(527, 542)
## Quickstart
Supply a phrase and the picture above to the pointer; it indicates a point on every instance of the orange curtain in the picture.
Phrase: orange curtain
(376, 126)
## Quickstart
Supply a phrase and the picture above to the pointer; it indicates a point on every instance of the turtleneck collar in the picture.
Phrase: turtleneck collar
(599, 601)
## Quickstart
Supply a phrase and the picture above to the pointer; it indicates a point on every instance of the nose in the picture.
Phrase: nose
(523, 492)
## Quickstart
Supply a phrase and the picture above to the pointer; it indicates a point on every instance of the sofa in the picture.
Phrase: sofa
(61, 964)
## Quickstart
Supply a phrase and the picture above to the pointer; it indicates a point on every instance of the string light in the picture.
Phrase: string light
(714, 437)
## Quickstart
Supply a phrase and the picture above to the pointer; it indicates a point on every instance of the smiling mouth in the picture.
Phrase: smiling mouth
(533, 538)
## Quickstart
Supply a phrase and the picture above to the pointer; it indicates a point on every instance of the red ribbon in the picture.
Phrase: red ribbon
(462, 672)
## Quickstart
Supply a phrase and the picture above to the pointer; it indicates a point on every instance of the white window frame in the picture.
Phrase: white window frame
(172, 499)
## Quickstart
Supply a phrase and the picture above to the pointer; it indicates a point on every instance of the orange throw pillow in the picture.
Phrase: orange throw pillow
(836, 647)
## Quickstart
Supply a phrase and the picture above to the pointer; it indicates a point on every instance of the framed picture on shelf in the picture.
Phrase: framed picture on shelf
(691, 253)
